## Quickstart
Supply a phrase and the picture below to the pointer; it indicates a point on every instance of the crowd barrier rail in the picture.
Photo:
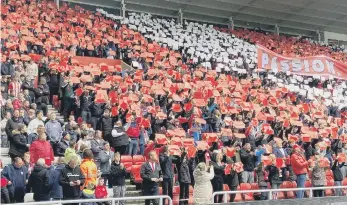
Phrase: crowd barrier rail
(271, 191)
(113, 201)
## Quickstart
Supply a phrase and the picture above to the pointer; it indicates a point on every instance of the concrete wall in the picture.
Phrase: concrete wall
(334, 36)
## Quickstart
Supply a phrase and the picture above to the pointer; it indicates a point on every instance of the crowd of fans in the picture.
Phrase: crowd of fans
(193, 87)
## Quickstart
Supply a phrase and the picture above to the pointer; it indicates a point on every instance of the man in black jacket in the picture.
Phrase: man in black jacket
(96, 110)
(85, 102)
(338, 176)
(39, 181)
(106, 124)
(71, 179)
(117, 176)
(12, 124)
(119, 140)
(168, 174)
(248, 161)
(151, 175)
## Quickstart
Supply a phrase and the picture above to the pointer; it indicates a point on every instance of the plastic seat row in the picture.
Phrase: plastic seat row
(133, 166)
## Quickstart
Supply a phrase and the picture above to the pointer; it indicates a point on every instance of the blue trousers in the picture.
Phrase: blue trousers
(133, 145)
(300, 181)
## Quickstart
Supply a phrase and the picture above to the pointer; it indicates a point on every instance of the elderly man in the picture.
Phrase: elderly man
(71, 179)
(17, 176)
(53, 128)
(39, 181)
(120, 139)
(97, 144)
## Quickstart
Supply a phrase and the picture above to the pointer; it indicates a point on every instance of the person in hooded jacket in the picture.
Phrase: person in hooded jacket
(119, 140)
(39, 181)
(218, 179)
(106, 124)
(71, 179)
(18, 145)
(56, 191)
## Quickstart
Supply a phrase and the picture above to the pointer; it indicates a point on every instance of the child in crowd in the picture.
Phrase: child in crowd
(89, 193)
(5, 195)
(101, 191)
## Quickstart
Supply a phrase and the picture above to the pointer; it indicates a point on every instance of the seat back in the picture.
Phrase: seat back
(138, 159)
(246, 196)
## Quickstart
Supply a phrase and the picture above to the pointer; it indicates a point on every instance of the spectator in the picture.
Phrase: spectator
(299, 165)
(318, 176)
(41, 148)
(96, 110)
(218, 179)
(117, 175)
(53, 128)
(274, 174)
(85, 103)
(71, 179)
(151, 174)
(89, 193)
(203, 188)
(248, 161)
(56, 191)
(70, 124)
(35, 135)
(106, 124)
(168, 174)
(19, 142)
(3, 122)
(88, 168)
(338, 177)
(68, 99)
(134, 133)
(42, 96)
(106, 156)
(63, 145)
(280, 152)
(261, 180)
(17, 177)
(33, 125)
(32, 71)
(184, 178)
(232, 181)
(120, 139)
(12, 124)
(84, 140)
(39, 181)
(26, 160)
(101, 192)
(71, 152)
(5, 195)
(97, 144)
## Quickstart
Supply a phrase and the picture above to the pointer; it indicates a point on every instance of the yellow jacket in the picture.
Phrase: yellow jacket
(90, 171)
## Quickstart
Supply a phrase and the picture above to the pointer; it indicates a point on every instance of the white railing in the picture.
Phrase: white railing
(114, 201)
(271, 191)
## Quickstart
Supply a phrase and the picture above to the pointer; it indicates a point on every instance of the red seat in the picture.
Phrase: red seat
(191, 199)
(255, 186)
(247, 196)
(138, 159)
(188, 142)
(136, 174)
(127, 160)
(308, 184)
(289, 184)
(344, 183)
(329, 174)
(176, 195)
(281, 194)
(329, 192)
(226, 188)
(238, 197)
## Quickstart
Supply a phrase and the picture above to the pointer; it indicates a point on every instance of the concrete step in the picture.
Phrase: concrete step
(4, 151)
(6, 160)
(49, 106)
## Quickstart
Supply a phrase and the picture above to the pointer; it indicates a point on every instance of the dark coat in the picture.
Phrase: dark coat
(41, 95)
(70, 175)
(274, 175)
(85, 102)
(120, 140)
(96, 109)
(17, 176)
(232, 179)
(184, 172)
(97, 147)
(18, 144)
(56, 190)
(117, 175)
(61, 147)
(11, 125)
(337, 171)
(147, 174)
(39, 183)
(247, 160)
(105, 158)
(166, 166)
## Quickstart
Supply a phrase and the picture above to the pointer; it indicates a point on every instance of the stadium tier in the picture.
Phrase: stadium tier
(96, 106)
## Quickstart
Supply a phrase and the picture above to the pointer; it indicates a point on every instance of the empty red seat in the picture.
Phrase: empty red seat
(329, 174)
(329, 192)
(288, 185)
(138, 159)
(246, 196)
(127, 160)
(238, 197)
(136, 174)
(188, 142)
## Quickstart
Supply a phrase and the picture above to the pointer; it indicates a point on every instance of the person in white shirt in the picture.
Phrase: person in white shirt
(33, 124)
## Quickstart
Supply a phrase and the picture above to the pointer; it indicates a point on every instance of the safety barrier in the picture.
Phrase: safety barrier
(271, 191)
(112, 200)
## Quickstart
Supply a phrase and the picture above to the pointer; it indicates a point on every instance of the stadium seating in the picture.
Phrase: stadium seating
(127, 160)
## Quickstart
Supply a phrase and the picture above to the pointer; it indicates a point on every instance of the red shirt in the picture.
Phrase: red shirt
(100, 192)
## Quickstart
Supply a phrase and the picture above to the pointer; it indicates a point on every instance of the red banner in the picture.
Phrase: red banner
(314, 65)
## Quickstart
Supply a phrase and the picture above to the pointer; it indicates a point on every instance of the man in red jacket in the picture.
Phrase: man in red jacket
(299, 165)
(41, 148)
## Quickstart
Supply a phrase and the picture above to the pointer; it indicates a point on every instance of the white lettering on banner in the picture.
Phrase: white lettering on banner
(318, 66)
(284, 65)
(330, 66)
(274, 66)
(264, 59)
(296, 64)
(307, 66)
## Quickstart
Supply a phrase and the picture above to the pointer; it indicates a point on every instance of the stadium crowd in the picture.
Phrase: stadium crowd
(196, 106)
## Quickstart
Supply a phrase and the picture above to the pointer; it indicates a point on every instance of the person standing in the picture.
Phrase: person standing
(248, 160)
(151, 174)
(54, 129)
(39, 181)
(203, 188)
(17, 177)
(274, 175)
(33, 124)
(119, 140)
(134, 132)
(56, 192)
(41, 148)
(299, 165)
(167, 168)
(18, 145)
(106, 124)
(12, 124)
(338, 176)
(117, 175)
(106, 156)
(85, 103)
(318, 176)
(71, 179)
(97, 144)
(88, 168)
(232, 180)
(218, 179)
(184, 178)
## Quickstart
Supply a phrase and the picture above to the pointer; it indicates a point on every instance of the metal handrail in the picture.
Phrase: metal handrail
(113, 200)
(271, 191)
